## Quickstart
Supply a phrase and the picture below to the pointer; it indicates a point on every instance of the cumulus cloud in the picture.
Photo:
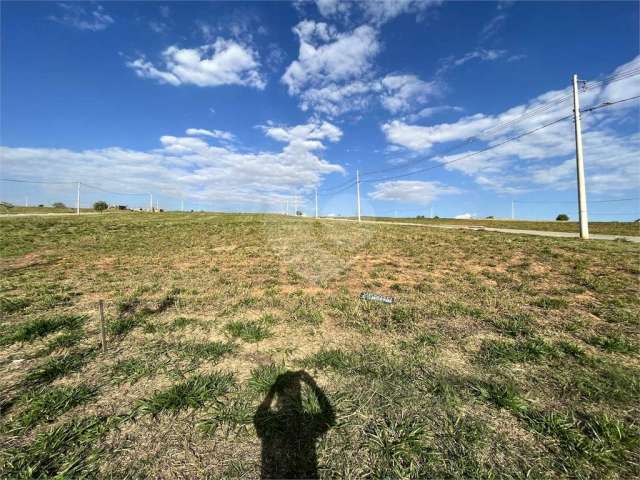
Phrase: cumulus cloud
(191, 166)
(465, 216)
(224, 62)
(334, 73)
(326, 56)
(411, 191)
(83, 17)
(545, 158)
(403, 92)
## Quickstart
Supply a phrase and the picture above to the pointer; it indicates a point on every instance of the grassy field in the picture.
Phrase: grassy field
(610, 228)
(26, 210)
(238, 346)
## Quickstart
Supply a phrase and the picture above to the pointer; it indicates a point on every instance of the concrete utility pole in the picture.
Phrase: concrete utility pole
(151, 202)
(358, 191)
(295, 206)
(582, 192)
(26, 201)
(286, 212)
(182, 204)
(431, 211)
(513, 210)
(316, 203)
(78, 200)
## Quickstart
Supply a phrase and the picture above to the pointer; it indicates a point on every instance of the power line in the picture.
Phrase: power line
(113, 193)
(477, 152)
(15, 180)
(544, 108)
(573, 201)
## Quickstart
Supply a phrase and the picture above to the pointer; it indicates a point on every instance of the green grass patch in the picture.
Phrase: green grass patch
(64, 451)
(11, 305)
(211, 351)
(613, 343)
(47, 403)
(58, 367)
(335, 359)
(133, 369)
(551, 303)
(31, 330)
(193, 393)
(121, 326)
(250, 332)
(263, 377)
(529, 350)
(518, 325)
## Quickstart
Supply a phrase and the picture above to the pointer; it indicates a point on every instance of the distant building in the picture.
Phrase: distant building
(118, 207)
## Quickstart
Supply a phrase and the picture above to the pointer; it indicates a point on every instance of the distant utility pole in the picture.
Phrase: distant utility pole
(431, 211)
(513, 210)
(358, 192)
(295, 206)
(316, 203)
(286, 211)
(182, 204)
(78, 200)
(157, 205)
(582, 192)
(151, 202)
(26, 201)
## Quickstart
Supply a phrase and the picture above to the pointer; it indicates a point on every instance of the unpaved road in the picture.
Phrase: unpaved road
(540, 233)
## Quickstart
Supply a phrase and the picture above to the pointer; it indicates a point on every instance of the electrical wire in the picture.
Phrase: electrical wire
(477, 152)
(544, 108)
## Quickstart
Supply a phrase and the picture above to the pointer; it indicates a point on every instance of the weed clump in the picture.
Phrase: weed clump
(193, 393)
(250, 332)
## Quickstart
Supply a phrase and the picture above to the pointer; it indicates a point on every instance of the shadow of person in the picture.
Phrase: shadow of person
(290, 427)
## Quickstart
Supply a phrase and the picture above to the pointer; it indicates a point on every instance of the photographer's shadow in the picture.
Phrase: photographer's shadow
(290, 427)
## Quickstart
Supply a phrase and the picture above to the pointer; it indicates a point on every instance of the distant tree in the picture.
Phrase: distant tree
(563, 217)
(41, 206)
(100, 205)
(490, 217)
(436, 217)
(419, 217)
(58, 205)
(299, 213)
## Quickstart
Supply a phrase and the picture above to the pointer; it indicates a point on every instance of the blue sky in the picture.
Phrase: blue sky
(245, 105)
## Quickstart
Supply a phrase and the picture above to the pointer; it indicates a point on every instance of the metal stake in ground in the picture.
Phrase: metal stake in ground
(102, 335)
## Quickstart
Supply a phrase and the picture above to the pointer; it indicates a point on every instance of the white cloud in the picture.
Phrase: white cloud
(411, 191)
(415, 137)
(482, 54)
(335, 99)
(326, 56)
(83, 17)
(546, 157)
(405, 92)
(191, 166)
(465, 216)
(492, 27)
(157, 27)
(220, 134)
(377, 12)
(224, 62)
(302, 133)
(430, 111)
